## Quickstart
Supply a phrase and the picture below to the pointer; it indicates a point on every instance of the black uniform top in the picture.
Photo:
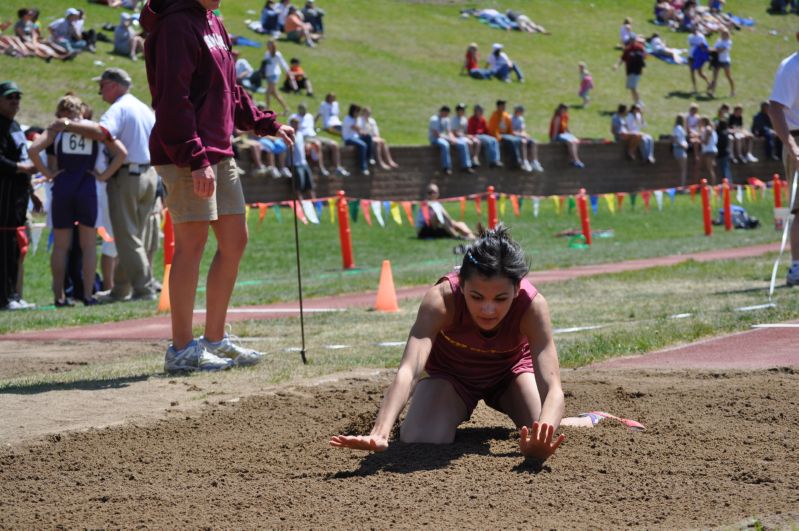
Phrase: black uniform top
(15, 187)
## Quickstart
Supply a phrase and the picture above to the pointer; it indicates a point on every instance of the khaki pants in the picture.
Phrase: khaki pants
(130, 202)
(185, 206)
(789, 162)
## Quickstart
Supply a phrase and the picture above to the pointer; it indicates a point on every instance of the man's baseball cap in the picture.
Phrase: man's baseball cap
(496, 46)
(7, 88)
(72, 11)
(117, 75)
(460, 107)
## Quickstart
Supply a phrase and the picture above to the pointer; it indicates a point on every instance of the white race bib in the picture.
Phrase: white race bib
(73, 144)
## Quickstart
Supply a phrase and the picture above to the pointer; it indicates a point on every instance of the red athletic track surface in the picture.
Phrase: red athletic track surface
(758, 348)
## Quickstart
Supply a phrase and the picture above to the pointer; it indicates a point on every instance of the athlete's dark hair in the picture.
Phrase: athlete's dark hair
(494, 254)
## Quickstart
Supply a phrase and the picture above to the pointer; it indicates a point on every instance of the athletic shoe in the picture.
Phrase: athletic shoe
(372, 162)
(262, 171)
(537, 166)
(578, 164)
(365, 173)
(752, 158)
(323, 172)
(194, 358)
(91, 301)
(285, 172)
(793, 275)
(228, 349)
(526, 166)
(64, 303)
(341, 172)
(273, 172)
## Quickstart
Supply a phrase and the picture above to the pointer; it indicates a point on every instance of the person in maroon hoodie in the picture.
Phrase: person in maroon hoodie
(192, 78)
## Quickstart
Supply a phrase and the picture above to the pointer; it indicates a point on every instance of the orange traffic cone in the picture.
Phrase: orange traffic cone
(163, 302)
(386, 294)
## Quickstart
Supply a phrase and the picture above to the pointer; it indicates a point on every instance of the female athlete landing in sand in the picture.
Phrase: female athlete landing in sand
(481, 333)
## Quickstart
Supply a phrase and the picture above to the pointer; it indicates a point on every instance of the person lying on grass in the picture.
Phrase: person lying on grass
(482, 332)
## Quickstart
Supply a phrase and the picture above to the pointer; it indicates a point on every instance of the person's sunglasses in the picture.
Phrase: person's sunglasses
(14, 96)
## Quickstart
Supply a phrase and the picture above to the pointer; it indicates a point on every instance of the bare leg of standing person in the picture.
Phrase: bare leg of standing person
(190, 239)
(231, 235)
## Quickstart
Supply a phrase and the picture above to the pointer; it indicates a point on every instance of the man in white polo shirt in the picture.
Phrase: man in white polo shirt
(131, 190)
(784, 112)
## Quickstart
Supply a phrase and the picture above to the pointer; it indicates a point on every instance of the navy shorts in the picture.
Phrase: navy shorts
(74, 199)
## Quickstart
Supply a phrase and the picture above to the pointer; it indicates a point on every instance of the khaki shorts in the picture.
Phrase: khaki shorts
(789, 162)
(184, 205)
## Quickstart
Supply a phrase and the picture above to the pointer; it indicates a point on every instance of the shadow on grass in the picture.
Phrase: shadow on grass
(401, 458)
(688, 95)
(79, 385)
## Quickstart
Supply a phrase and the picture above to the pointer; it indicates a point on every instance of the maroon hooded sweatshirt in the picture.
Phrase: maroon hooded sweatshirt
(192, 79)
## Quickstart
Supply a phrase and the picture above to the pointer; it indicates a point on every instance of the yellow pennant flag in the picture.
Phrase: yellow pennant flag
(610, 199)
(331, 205)
(246, 213)
(503, 203)
(396, 215)
(556, 200)
(750, 192)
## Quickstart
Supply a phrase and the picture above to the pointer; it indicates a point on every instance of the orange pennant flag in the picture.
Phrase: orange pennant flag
(366, 213)
(425, 212)
(514, 201)
(463, 208)
(104, 234)
(299, 213)
(406, 206)
(477, 205)
(262, 212)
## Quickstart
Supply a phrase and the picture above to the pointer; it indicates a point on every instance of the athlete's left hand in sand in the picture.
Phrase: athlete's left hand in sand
(536, 443)
(371, 443)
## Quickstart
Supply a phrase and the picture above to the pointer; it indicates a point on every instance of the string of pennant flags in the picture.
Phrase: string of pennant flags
(380, 212)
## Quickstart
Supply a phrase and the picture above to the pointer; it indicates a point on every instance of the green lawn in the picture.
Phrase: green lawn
(268, 272)
(402, 57)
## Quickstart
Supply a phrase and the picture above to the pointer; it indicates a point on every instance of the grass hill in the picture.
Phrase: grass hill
(402, 57)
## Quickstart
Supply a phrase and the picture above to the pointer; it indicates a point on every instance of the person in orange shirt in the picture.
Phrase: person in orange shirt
(559, 132)
(299, 31)
(500, 127)
(296, 80)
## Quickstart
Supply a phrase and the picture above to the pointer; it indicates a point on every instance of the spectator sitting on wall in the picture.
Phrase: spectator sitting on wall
(439, 133)
(742, 138)
(353, 136)
(460, 126)
(679, 145)
(618, 128)
(559, 132)
(478, 127)
(368, 126)
(762, 128)
(317, 143)
(329, 113)
(296, 80)
(528, 145)
(314, 16)
(501, 126)
(303, 179)
(635, 125)
(126, 41)
(439, 224)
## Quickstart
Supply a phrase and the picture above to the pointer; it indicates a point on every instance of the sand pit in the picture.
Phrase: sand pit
(720, 448)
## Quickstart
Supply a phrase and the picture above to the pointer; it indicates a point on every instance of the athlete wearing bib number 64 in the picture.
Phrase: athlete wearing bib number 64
(73, 164)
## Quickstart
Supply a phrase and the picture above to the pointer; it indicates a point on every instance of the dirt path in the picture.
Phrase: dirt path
(720, 448)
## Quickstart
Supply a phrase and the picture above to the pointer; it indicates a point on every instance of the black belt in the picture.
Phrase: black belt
(136, 169)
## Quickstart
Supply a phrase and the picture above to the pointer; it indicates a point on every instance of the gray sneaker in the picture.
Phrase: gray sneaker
(193, 358)
(237, 354)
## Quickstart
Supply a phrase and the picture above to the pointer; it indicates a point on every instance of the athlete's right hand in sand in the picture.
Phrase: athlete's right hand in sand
(536, 443)
(371, 443)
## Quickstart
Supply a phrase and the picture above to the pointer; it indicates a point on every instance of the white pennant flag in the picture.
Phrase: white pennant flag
(377, 210)
(659, 198)
(536, 206)
(739, 194)
(36, 235)
(438, 210)
(310, 211)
